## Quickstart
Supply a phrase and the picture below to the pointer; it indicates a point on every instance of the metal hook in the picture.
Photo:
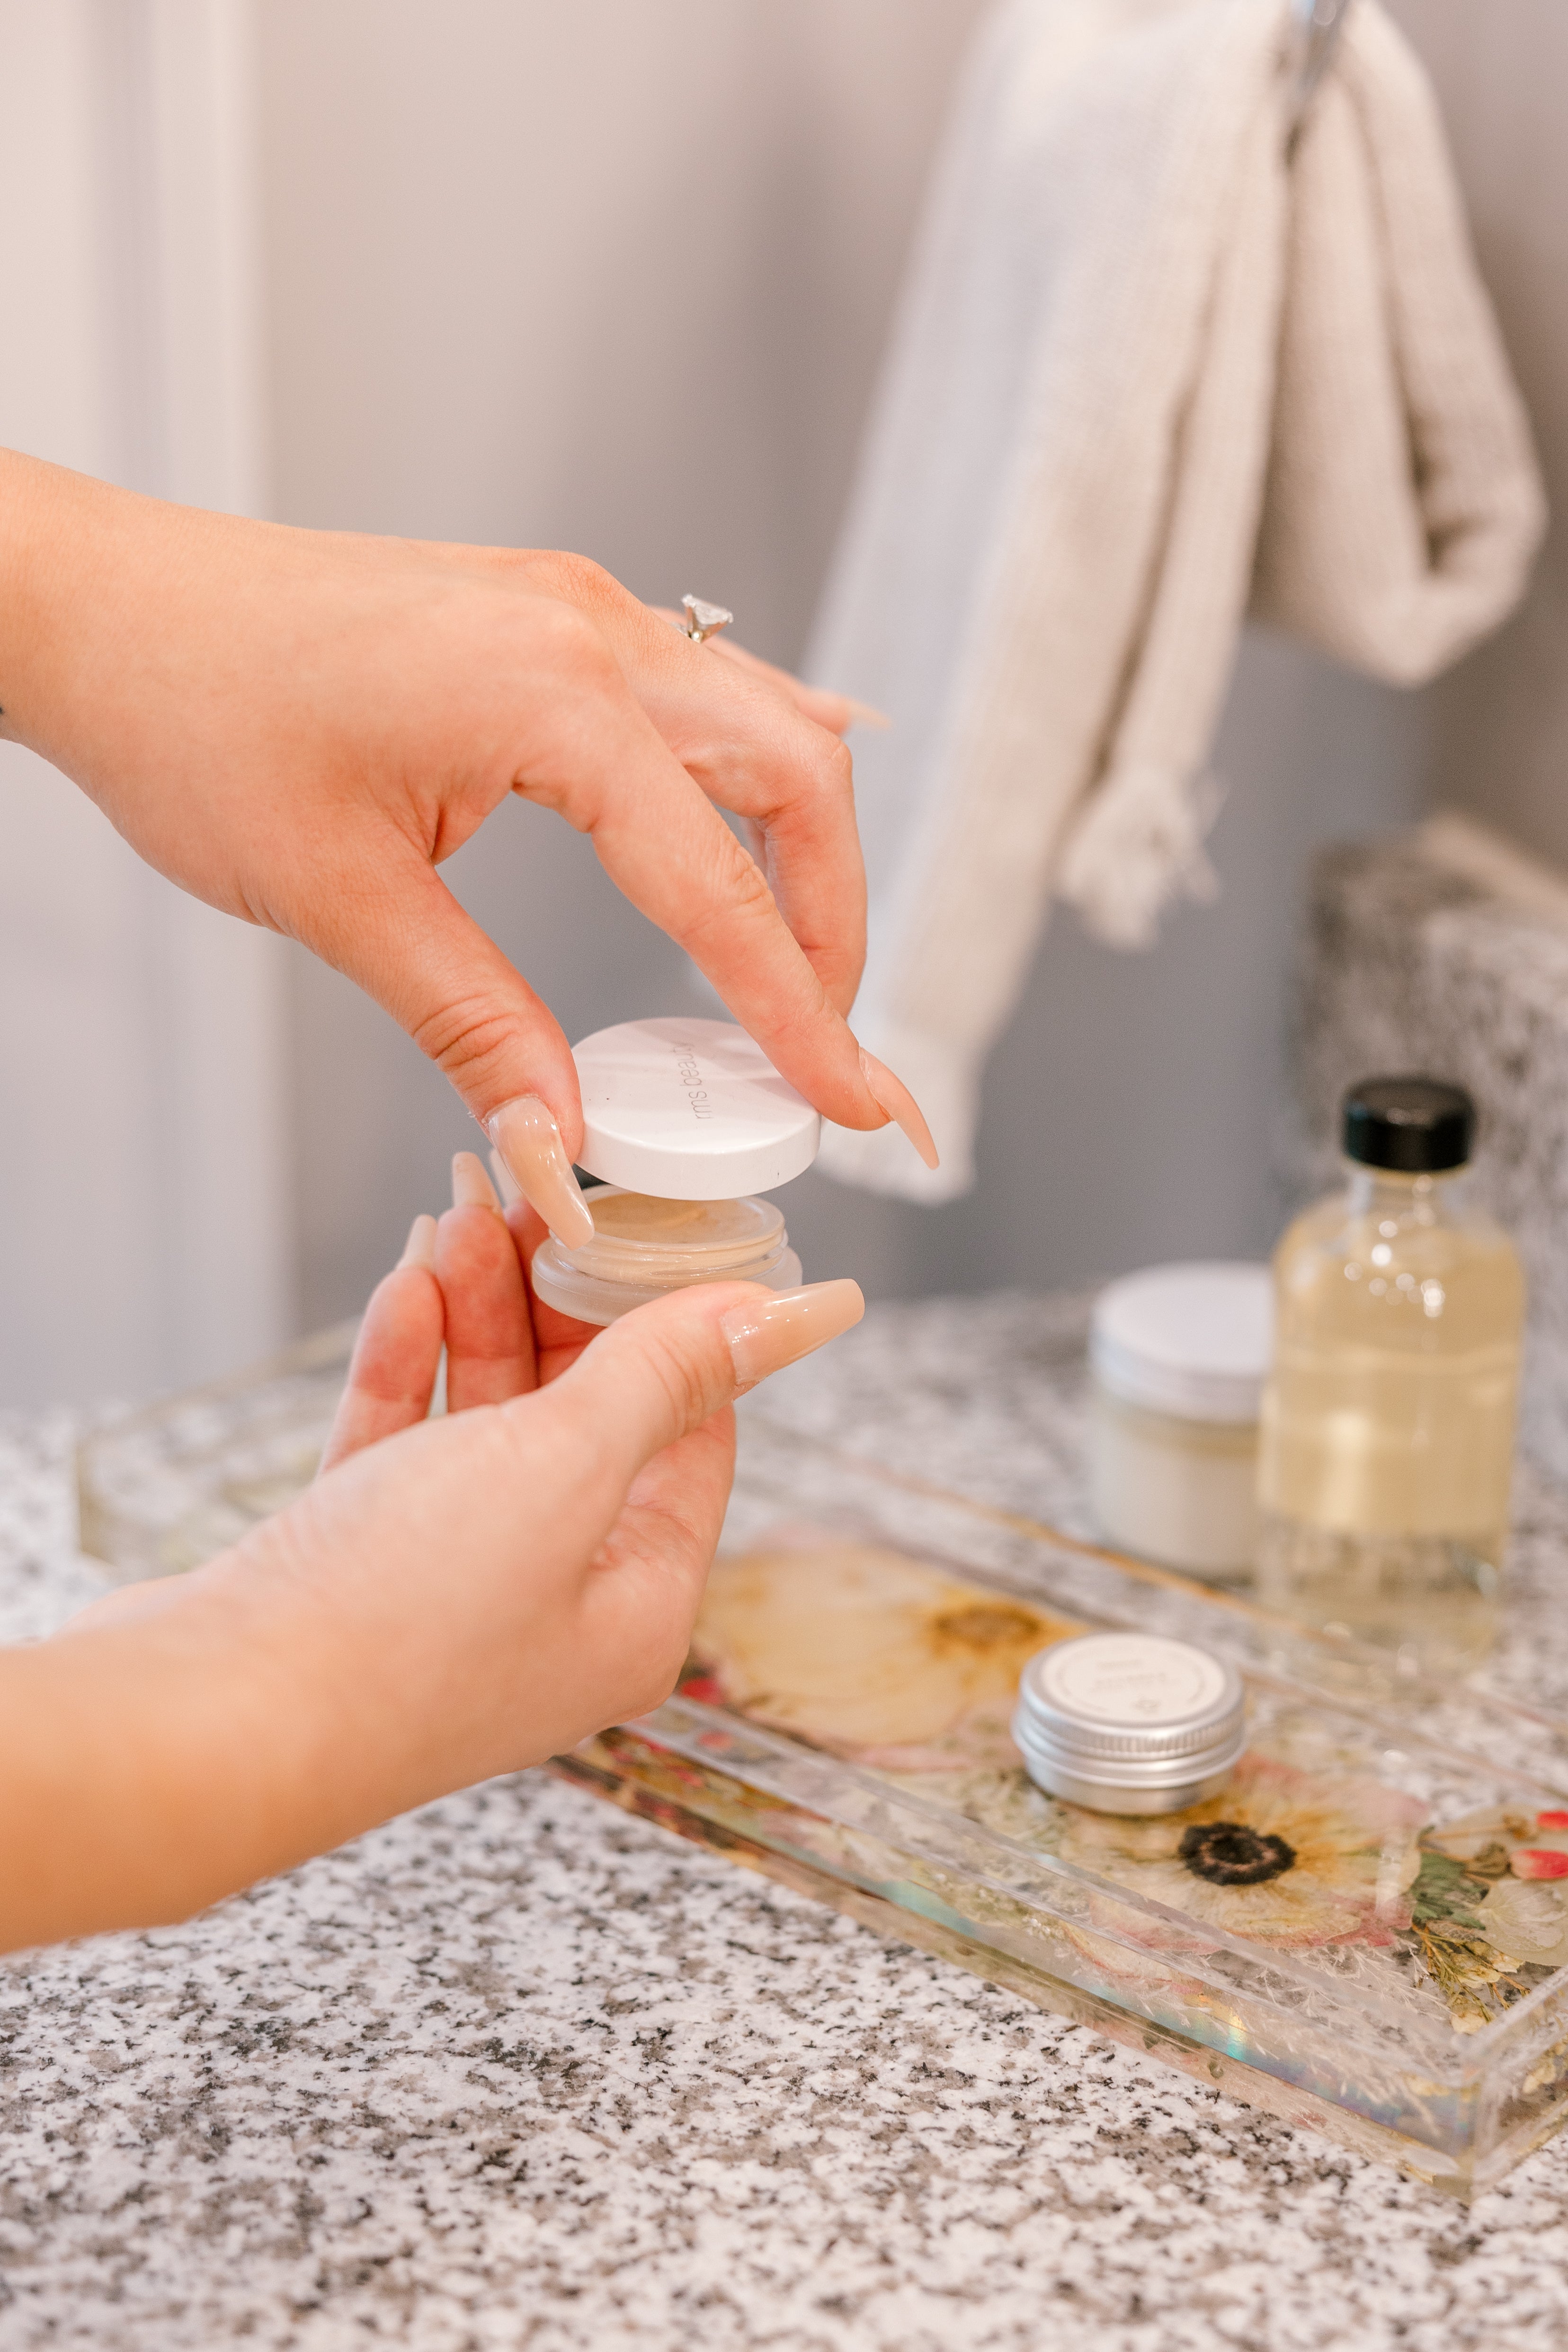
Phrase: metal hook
(1315, 29)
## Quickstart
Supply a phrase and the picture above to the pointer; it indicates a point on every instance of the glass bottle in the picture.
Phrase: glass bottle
(1387, 1439)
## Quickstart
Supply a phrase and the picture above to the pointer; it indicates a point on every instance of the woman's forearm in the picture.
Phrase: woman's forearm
(142, 1777)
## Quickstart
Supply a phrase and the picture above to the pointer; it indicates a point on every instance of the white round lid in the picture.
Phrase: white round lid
(690, 1110)
(1161, 1694)
(1191, 1340)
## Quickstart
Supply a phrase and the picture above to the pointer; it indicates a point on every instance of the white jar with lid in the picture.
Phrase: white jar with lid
(686, 1123)
(1179, 1355)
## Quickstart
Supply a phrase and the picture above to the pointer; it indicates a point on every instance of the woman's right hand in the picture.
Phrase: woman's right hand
(299, 726)
(451, 1598)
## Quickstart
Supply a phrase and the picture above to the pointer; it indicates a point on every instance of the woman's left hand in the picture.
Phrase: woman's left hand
(453, 1598)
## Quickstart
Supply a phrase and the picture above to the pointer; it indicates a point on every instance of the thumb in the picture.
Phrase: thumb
(666, 1368)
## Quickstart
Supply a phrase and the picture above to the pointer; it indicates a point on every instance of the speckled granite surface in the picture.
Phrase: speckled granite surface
(518, 2070)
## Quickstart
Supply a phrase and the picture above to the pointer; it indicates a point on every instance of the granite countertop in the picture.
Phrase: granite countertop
(519, 2070)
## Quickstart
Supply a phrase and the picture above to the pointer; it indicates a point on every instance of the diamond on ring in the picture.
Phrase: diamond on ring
(703, 620)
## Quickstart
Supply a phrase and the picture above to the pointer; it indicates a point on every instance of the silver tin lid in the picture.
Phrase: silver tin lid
(1130, 1723)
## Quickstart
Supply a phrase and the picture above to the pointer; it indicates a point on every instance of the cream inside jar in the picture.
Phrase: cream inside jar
(644, 1245)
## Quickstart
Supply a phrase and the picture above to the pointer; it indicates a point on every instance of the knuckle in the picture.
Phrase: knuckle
(578, 578)
(684, 1381)
(823, 777)
(742, 893)
(748, 892)
(466, 1038)
(837, 770)
(746, 885)
(568, 640)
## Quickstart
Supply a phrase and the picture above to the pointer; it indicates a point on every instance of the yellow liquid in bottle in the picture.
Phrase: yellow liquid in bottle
(1386, 1444)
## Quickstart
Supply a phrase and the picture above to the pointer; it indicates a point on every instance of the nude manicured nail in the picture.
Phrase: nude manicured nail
(420, 1249)
(866, 714)
(471, 1187)
(528, 1140)
(506, 1183)
(892, 1094)
(765, 1336)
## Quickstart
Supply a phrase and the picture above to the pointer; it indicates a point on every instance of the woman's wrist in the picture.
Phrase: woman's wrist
(146, 1772)
(36, 557)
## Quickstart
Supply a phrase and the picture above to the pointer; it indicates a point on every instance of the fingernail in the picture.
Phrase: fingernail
(506, 1183)
(769, 1333)
(528, 1140)
(420, 1249)
(866, 714)
(471, 1188)
(892, 1094)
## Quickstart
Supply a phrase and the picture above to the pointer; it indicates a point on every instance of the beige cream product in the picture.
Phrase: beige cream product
(1179, 1354)
(643, 1247)
(1388, 1420)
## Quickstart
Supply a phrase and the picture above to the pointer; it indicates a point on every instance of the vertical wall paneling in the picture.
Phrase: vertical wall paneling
(145, 1204)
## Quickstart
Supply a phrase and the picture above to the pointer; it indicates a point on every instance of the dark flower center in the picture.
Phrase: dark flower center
(979, 1627)
(1228, 1854)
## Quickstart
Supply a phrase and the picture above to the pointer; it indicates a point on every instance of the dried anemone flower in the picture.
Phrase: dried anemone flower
(1276, 1857)
(856, 1648)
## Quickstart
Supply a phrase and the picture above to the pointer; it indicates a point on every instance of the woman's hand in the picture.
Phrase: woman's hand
(451, 1598)
(298, 726)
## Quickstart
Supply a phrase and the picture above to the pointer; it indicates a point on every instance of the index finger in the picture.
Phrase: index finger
(740, 731)
(753, 740)
(602, 765)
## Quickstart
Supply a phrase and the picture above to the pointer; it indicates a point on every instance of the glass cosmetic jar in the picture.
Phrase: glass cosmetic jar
(1130, 1723)
(643, 1247)
(685, 1122)
(1180, 1354)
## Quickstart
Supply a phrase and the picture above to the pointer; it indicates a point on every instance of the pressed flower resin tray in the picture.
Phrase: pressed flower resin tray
(1367, 1931)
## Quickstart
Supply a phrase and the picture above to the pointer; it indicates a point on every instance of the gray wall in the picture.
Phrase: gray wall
(1499, 723)
(614, 277)
(618, 278)
(146, 1236)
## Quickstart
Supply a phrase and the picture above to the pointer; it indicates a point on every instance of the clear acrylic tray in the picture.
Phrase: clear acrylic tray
(160, 1490)
(1400, 1980)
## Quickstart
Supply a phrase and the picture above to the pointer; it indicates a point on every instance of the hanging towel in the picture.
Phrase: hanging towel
(1148, 371)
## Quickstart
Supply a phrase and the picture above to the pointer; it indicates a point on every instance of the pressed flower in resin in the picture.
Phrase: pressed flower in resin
(862, 1649)
(1278, 1856)
(1527, 1922)
(1538, 1862)
(1488, 1922)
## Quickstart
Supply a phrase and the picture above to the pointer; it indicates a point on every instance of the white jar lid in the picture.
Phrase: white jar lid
(690, 1110)
(1194, 1341)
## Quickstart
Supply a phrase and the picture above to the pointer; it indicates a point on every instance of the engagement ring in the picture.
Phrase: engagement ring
(703, 620)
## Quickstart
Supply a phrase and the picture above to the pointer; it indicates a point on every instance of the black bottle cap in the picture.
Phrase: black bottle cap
(1419, 1126)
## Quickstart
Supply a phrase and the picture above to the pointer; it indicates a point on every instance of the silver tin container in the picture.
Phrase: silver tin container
(1130, 1723)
